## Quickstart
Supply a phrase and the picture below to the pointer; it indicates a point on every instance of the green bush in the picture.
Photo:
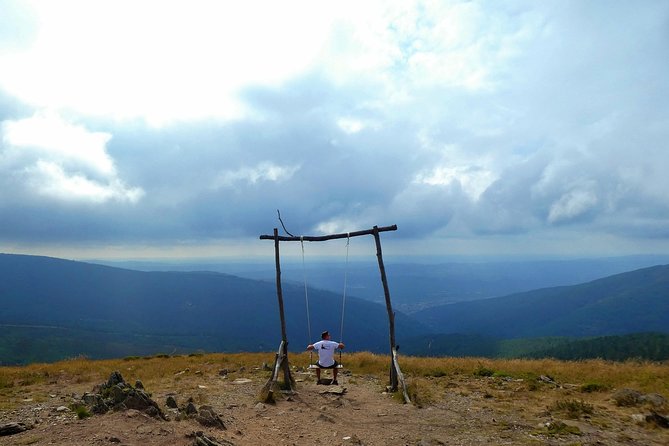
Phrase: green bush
(81, 411)
(594, 387)
(573, 408)
(483, 371)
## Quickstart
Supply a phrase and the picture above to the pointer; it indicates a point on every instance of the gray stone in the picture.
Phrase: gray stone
(627, 397)
(119, 395)
(658, 420)
(653, 399)
(12, 428)
(191, 409)
(207, 417)
(171, 402)
(200, 439)
(115, 378)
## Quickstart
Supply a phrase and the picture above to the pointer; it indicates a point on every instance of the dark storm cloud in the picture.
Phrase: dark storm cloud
(551, 119)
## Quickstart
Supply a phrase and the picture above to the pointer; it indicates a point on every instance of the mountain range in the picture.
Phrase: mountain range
(176, 311)
(53, 308)
(631, 302)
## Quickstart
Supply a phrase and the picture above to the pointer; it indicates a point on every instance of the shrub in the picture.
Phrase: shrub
(594, 387)
(483, 371)
(560, 428)
(573, 408)
(81, 411)
(421, 392)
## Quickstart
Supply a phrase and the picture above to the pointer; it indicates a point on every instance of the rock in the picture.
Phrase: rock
(429, 442)
(223, 372)
(547, 379)
(115, 378)
(323, 417)
(171, 402)
(200, 439)
(241, 381)
(353, 440)
(658, 420)
(118, 395)
(653, 399)
(191, 409)
(207, 417)
(336, 390)
(627, 397)
(12, 428)
(139, 385)
(638, 418)
(62, 409)
(95, 402)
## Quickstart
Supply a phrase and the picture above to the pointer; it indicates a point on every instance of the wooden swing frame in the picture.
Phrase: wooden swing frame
(281, 359)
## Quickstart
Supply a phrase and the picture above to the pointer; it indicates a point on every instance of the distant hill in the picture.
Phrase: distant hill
(101, 311)
(424, 283)
(636, 301)
(647, 346)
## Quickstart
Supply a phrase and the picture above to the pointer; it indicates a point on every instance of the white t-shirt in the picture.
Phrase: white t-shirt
(326, 351)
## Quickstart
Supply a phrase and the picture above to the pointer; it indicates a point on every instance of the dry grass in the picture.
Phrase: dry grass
(643, 376)
(427, 376)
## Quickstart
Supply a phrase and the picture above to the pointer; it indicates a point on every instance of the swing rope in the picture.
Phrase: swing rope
(306, 294)
(343, 302)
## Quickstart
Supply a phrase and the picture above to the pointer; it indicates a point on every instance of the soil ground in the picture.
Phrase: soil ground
(459, 410)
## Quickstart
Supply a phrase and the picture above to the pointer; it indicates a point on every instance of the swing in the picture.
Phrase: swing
(339, 365)
(281, 360)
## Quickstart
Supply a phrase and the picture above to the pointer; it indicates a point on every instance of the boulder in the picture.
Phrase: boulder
(171, 402)
(12, 428)
(658, 420)
(208, 417)
(116, 394)
(627, 397)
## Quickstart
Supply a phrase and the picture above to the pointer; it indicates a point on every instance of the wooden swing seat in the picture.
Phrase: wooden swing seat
(314, 366)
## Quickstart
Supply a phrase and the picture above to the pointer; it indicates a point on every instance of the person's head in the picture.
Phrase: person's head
(325, 335)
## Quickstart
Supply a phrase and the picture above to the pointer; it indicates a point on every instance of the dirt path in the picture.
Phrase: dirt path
(466, 411)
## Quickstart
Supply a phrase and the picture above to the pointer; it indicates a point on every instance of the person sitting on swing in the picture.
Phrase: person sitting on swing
(326, 350)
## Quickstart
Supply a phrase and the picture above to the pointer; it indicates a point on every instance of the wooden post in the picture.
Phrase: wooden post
(279, 292)
(267, 392)
(288, 380)
(395, 373)
(389, 308)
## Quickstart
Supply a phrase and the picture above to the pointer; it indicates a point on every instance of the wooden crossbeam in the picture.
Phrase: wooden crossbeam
(322, 238)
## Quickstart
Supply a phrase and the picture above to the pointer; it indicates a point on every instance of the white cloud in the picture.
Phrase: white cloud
(54, 158)
(49, 179)
(473, 180)
(49, 136)
(571, 205)
(265, 171)
(161, 60)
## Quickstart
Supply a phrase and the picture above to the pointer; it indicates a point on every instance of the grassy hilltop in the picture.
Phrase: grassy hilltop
(462, 400)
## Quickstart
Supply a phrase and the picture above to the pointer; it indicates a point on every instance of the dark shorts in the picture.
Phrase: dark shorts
(328, 367)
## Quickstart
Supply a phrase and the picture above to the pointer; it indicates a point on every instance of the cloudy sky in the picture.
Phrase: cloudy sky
(134, 129)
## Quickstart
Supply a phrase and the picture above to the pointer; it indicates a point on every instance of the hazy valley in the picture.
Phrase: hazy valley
(54, 308)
